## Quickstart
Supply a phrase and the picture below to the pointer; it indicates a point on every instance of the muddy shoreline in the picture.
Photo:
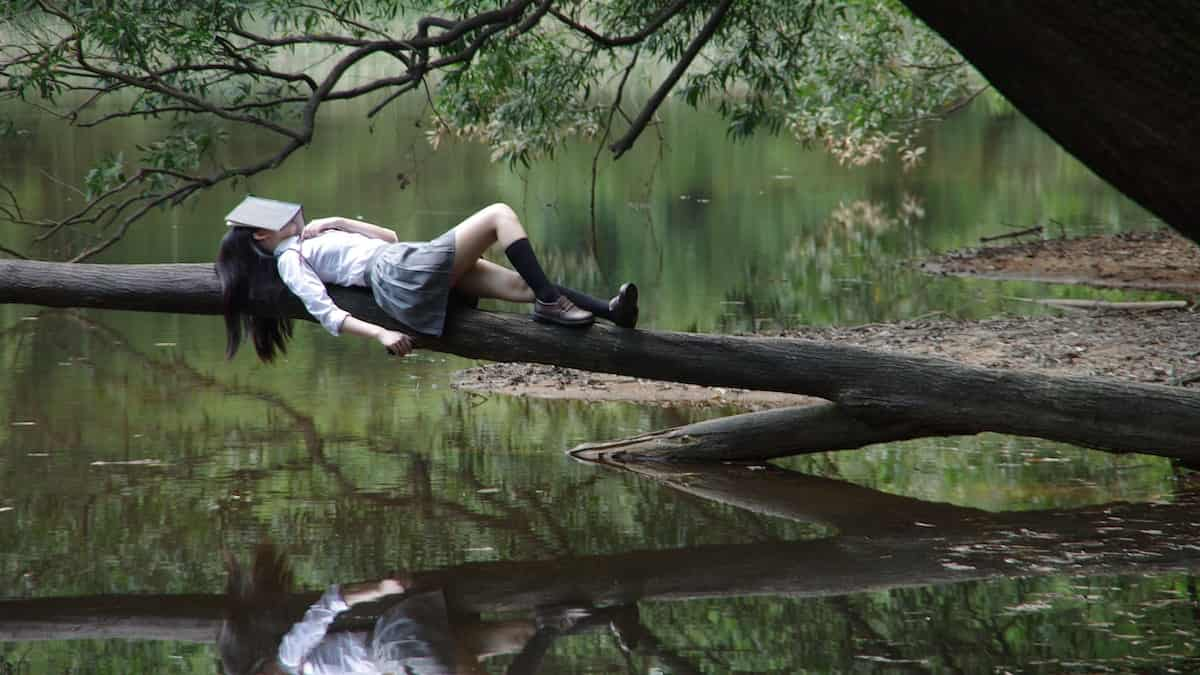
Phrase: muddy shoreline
(1161, 346)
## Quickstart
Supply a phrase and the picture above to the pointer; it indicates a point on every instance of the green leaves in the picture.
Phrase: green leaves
(856, 76)
(106, 175)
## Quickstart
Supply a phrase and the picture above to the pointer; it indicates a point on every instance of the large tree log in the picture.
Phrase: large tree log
(755, 436)
(1115, 82)
(885, 542)
(923, 396)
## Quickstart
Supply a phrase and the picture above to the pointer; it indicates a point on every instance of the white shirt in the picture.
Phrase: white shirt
(307, 649)
(333, 257)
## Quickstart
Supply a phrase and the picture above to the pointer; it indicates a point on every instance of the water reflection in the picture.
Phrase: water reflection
(131, 453)
(414, 631)
(904, 583)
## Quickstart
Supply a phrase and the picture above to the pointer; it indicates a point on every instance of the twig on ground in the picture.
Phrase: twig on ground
(1066, 303)
(1009, 235)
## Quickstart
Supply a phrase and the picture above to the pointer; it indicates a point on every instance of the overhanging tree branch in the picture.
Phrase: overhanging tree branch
(639, 123)
(626, 40)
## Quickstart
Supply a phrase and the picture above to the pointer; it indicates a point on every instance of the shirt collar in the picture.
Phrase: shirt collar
(290, 242)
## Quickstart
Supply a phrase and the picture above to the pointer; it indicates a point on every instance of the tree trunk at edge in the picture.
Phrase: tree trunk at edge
(1115, 82)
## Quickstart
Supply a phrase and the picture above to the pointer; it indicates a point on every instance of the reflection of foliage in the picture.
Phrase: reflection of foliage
(453, 480)
(465, 481)
(1101, 623)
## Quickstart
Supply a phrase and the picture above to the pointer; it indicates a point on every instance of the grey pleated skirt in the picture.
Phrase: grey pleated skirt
(411, 282)
(413, 637)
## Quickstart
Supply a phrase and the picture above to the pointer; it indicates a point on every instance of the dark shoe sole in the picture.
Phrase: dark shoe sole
(562, 322)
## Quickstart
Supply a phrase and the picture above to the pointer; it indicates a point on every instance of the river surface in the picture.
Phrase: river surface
(133, 455)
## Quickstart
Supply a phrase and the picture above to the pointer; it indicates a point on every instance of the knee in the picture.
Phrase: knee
(501, 214)
(518, 290)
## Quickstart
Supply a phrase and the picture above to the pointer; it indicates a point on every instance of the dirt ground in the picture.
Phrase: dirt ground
(1160, 346)
(1158, 260)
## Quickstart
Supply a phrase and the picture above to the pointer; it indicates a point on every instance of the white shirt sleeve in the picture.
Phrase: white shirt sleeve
(307, 286)
(306, 635)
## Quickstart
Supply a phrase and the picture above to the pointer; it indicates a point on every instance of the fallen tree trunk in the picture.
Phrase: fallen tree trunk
(924, 396)
(755, 436)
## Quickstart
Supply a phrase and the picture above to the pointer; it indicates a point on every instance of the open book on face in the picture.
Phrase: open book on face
(267, 214)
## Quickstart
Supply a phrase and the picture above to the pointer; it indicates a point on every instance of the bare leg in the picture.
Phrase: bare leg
(473, 236)
(491, 638)
(489, 280)
(499, 224)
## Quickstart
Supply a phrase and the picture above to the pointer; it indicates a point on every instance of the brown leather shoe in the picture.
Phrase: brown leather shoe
(562, 311)
(624, 307)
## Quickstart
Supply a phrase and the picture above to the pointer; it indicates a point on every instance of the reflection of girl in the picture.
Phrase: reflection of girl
(414, 635)
(410, 281)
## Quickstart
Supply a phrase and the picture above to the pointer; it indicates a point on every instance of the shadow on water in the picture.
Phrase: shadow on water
(1023, 589)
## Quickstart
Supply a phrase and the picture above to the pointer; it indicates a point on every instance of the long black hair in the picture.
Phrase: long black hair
(249, 276)
(257, 612)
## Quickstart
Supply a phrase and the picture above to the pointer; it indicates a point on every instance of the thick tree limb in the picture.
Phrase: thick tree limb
(1115, 82)
(753, 436)
(930, 396)
(643, 118)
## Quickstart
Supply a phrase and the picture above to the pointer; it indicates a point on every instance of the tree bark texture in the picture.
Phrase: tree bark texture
(1115, 82)
(755, 436)
(886, 393)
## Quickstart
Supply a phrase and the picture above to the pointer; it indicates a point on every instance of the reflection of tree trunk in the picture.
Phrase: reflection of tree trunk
(1113, 82)
(771, 491)
(1110, 539)
(640, 640)
(908, 395)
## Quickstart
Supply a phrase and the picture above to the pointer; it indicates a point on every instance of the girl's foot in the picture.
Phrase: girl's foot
(624, 307)
(562, 311)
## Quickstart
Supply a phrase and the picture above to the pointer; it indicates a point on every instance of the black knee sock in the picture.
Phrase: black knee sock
(520, 254)
(584, 301)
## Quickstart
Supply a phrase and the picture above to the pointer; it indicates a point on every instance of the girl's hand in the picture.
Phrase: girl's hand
(397, 343)
(316, 227)
(390, 587)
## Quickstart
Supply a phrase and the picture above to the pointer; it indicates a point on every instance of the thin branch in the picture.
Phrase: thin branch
(61, 183)
(341, 18)
(949, 110)
(106, 212)
(959, 105)
(639, 124)
(16, 206)
(179, 194)
(404, 89)
(612, 111)
(181, 95)
(8, 251)
(624, 41)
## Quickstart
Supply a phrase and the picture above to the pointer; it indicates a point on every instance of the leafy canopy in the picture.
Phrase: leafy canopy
(856, 76)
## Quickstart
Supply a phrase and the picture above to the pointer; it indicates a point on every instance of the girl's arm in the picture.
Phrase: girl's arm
(394, 341)
(320, 225)
(368, 591)
(304, 284)
(306, 635)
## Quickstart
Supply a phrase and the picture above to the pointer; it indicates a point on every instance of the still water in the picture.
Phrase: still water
(132, 455)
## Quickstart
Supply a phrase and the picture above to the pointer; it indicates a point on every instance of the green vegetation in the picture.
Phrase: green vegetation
(858, 77)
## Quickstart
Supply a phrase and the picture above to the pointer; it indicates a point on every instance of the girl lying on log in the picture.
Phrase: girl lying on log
(269, 246)
(415, 631)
